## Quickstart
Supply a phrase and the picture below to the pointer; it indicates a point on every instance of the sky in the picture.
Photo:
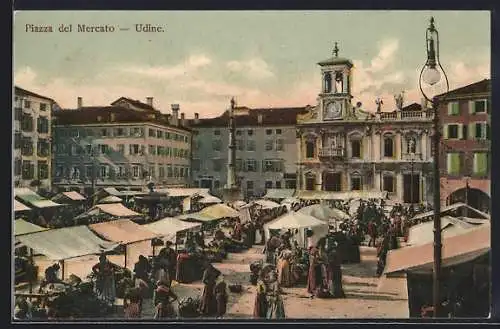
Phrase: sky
(262, 58)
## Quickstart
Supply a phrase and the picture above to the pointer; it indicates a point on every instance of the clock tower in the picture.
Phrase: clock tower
(335, 97)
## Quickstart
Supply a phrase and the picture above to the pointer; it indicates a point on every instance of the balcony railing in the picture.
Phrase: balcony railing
(330, 152)
(407, 115)
(412, 156)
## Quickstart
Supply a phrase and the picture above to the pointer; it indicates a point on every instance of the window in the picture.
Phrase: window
(135, 171)
(136, 132)
(269, 145)
(249, 185)
(28, 170)
(196, 164)
(453, 108)
(169, 151)
(75, 173)
(18, 114)
(27, 104)
(18, 140)
(159, 134)
(238, 165)
(217, 145)
(43, 147)
(356, 183)
(356, 149)
(278, 131)
(169, 171)
(481, 163)
(217, 164)
(152, 170)
(119, 132)
(43, 107)
(18, 166)
(27, 123)
(278, 184)
(453, 163)
(280, 145)
(389, 147)
(104, 132)
(269, 184)
(42, 125)
(238, 132)
(481, 130)
(103, 148)
(250, 132)
(181, 172)
(388, 183)
(250, 145)
(251, 165)
(272, 165)
(27, 146)
(151, 133)
(269, 132)
(176, 172)
(465, 131)
(479, 106)
(217, 132)
(167, 135)
(159, 150)
(216, 184)
(121, 171)
(43, 170)
(240, 145)
(103, 171)
(134, 149)
(452, 132)
(161, 170)
(310, 149)
(121, 148)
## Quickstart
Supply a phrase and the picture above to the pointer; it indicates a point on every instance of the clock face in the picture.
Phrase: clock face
(333, 110)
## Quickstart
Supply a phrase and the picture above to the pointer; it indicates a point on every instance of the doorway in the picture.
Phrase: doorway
(411, 183)
(333, 182)
(206, 183)
(310, 183)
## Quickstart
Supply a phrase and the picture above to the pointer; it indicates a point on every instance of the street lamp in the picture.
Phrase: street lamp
(430, 75)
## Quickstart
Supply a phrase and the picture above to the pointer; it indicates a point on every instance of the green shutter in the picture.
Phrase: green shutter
(448, 163)
(472, 107)
(450, 108)
(456, 163)
(460, 132)
(472, 131)
(481, 163)
(456, 108)
(445, 132)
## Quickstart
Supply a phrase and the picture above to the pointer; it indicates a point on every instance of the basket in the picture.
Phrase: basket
(188, 308)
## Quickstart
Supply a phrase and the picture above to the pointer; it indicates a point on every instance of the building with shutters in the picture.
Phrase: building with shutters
(32, 139)
(343, 148)
(465, 157)
(125, 145)
(266, 153)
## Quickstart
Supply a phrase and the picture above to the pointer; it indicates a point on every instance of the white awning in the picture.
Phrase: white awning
(169, 227)
(452, 207)
(18, 206)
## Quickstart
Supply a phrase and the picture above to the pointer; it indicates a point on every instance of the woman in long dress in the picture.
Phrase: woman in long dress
(132, 303)
(284, 268)
(334, 274)
(164, 297)
(276, 307)
(260, 305)
(208, 304)
(221, 296)
(105, 284)
(312, 274)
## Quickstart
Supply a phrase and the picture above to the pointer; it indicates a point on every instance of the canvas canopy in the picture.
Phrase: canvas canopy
(290, 200)
(266, 204)
(196, 217)
(28, 196)
(209, 199)
(169, 227)
(65, 243)
(112, 191)
(299, 222)
(279, 193)
(73, 195)
(456, 250)
(110, 199)
(183, 192)
(218, 211)
(114, 209)
(22, 227)
(239, 204)
(452, 207)
(123, 231)
(423, 233)
(325, 213)
(327, 195)
(18, 206)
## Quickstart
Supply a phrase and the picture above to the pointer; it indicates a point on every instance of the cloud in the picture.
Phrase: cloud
(385, 56)
(190, 65)
(255, 68)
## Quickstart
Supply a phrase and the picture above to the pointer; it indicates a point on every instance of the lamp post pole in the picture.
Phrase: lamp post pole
(431, 76)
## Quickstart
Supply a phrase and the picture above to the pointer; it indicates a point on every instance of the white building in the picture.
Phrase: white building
(343, 148)
(32, 139)
(266, 151)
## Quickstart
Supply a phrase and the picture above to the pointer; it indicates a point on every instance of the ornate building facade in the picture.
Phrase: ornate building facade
(343, 148)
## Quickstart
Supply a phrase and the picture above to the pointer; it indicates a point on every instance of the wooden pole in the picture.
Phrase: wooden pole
(32, 268)
(62, 270)
(125, 265)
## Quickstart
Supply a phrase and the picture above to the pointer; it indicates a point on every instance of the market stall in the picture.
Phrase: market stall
(41, 207)
(110, 199)
(109, 211)
(265, 204)
(299, 224)
(279, 194)
(19, 207)
(70, 197)
(135, 238)
(325, 213)
(423, 233)
(170, 228)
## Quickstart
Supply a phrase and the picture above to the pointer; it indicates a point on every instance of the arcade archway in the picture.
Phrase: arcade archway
(471, 196)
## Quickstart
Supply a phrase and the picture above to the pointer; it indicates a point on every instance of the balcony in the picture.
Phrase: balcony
(407, 115)
(412, 157)
(329, 152)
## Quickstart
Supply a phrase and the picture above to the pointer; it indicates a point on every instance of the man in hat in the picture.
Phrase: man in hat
(168, 257)
(51, 276)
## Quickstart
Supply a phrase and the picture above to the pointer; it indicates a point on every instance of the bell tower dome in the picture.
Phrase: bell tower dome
(336, 77)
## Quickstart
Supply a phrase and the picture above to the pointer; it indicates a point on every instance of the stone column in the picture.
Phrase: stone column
(376, 155)
(399, 185)
(423, 146)
(319, 180)
(398, 146)
(345, 181)
(423, 187)
(300, 158)
(376, 180)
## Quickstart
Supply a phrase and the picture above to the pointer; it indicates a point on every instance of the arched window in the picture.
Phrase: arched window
(310, 149)
(339, 82)
(388, 146)
(356, 182)
(356, 147)
(310, 182)
(328, 82)
(389, 183)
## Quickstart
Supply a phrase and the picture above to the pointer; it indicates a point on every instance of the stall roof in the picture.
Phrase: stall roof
(456, 249)
(115, 209)
(327, 195)
(22, 227)
(170, 226)
(123, 231)
(184, 192)
(218, 211)
(324, 213)
(18, 206)
(290, 200)
(112, 191)
(279, 193)
(266, 204)
(37, 201)
(452, 207)
(133, 193)
(197, 217)
(110, 199)
(65, 243)
(209, 199)
(73, 195)
(295, 220)
(423, 233)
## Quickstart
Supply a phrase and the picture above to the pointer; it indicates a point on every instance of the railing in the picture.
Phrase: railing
(338, 152)
(407, 115)
(412, 156)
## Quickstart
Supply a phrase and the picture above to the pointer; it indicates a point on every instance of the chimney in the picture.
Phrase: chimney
(183, 119)
(196, 118)
(79, 102)
(175, 114)
(149, 101)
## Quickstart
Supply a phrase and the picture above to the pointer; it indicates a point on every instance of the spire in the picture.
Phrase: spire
(336, 50)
